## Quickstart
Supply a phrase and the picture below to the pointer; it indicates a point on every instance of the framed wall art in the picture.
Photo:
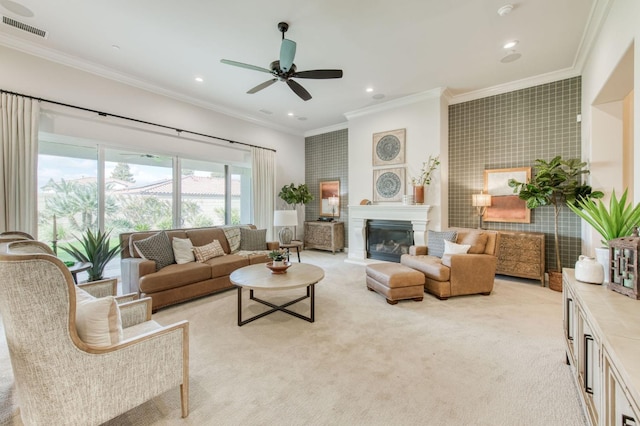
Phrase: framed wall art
(505, 204)
(388, 184)
(389, 147)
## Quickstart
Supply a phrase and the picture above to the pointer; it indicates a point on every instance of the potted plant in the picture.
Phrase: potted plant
(277, 257)
(424, 178)
(95, 249)
(555, 183)
(615, 222)
(293, 195)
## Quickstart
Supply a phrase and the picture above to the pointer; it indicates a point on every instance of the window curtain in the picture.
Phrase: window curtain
(263, 169)
(19, 119)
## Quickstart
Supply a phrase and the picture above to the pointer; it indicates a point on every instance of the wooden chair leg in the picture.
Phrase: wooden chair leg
(392, 302)
(184, 399)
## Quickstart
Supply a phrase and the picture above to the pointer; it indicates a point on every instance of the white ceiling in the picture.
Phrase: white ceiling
(399, 47)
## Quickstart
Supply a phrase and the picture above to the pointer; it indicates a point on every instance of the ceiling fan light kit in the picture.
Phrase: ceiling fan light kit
(285, 70)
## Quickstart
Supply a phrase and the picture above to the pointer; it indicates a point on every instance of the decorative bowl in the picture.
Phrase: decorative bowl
(278, 269)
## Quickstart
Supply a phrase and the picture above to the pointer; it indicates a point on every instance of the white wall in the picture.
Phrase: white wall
(617, 34)
(424, 116)
(31, 75)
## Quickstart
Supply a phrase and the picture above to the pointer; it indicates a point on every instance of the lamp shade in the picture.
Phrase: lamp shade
(334, 201)
(285, 218)
(481, 200)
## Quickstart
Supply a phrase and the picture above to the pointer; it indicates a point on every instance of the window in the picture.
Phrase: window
(138, 191)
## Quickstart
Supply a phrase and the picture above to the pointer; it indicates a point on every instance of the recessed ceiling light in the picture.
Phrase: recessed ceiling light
(505, 10)
(510, 44)
(290, 114)
(17, 8)
(199, 79)
(115, 47)
(369, 89)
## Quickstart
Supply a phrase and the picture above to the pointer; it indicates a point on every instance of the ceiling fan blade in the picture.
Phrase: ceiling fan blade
(287, 54)
(318, 74)
(262, 86)
(243, 65)
(299, 90)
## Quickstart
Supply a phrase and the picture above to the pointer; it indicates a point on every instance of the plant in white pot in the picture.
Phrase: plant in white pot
(555, 183)
(614, 222)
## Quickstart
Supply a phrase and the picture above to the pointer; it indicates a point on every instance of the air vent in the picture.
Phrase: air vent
(24, 27)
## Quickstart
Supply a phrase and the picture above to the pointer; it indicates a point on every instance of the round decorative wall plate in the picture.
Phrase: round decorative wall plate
(388, 184)
(388, 147)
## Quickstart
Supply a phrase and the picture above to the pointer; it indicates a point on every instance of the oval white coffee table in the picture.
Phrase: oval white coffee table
(259, 277)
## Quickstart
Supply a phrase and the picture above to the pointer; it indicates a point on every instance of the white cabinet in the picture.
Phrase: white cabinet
(602, 333)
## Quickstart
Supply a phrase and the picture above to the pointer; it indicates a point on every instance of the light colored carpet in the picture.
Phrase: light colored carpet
(474, 360)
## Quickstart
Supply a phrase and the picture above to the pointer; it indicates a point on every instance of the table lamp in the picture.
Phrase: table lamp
(285, 219)
(333, 202)
(481, 202)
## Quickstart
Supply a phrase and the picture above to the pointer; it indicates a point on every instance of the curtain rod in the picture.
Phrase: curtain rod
(107, 114)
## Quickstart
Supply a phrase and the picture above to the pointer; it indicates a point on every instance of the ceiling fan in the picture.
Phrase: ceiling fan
(284, 69)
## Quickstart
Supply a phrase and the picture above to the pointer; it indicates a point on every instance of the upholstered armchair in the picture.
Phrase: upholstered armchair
(456, 274)
(61, 379)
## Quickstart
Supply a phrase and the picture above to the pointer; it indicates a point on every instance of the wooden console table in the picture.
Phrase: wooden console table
(602, 335)
(521, 254)
(324, 235)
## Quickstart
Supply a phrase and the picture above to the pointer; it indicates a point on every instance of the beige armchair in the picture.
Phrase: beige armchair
(458, 274)
(60, 379)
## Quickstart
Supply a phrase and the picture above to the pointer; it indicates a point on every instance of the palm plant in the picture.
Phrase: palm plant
(615, 222)
(96, 250)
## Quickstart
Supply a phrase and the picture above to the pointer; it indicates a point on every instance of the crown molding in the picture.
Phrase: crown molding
(95, 69)
(515, 85)
(328, 129)
(396, 103)
(597, 16)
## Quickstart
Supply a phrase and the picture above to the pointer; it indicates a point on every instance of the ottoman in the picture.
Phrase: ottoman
(395, 282)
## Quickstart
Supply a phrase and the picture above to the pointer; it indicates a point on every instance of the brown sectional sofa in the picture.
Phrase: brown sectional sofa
(177, 283)
(458, 274)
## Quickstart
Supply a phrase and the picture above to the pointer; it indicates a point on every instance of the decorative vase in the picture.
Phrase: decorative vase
(285, 235)
(588, 270)
(602, 256)
(418, 194)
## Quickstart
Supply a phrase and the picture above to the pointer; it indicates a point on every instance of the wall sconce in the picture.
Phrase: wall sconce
(481, 202)
(285, 219)
(333, 202)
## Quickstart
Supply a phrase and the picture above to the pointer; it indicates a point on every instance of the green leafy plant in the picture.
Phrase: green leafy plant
(276, 255)
(555, 183)
(426, 172)
(95, 249)
(615, 222)
(293, 195)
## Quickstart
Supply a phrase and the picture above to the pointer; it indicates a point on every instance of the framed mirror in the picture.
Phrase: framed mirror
(330, 198)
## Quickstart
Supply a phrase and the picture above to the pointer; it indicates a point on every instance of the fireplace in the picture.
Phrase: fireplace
(388, 239)
(360, 215)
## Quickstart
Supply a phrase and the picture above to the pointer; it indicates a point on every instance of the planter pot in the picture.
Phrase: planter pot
(418, 194)
(555, 280)
(602, 256)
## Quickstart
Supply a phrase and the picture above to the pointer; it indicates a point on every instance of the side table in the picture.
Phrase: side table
(78, 267)
(293, 244)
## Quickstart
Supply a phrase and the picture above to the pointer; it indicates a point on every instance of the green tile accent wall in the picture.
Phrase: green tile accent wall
(513, 130)
(327, 158)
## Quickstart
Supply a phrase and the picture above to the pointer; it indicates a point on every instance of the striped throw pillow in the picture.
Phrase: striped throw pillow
(253, 239)
(435, 241)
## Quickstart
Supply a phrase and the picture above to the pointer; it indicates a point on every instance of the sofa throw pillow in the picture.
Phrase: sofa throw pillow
(453, 248)
(98, 321)
(233, 238)
(183, 250)
(253, 239)
(208, 251)
(157, 248)
(435, 241)
(476, 240)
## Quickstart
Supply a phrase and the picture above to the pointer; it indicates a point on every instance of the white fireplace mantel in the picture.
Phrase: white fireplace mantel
(418, 215)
